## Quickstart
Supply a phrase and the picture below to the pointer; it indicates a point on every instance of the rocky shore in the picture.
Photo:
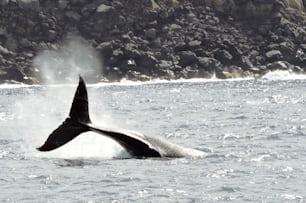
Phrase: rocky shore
(147, 39)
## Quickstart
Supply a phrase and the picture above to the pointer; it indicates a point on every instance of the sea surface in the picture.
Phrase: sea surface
(253, 132)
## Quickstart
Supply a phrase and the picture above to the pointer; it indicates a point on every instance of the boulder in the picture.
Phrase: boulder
(113, 73)
(71, 15)
(12, 73)
(29, 5)
(150, 33)
(231, 72)
(105, 48)
(279, 65)
(4, 2)
(223, 6)
(273, 55)
(132, 51)
(256, 10)
(209, 64)
(136, 76)
(164, 64)
(78, 2)
(63, 4)
(11, 44)
(187, 58)
(295, 4)
(5, 52)
(104, 19)
(190, 72)
(25, 43)
(147, 63)
(102, 8)
(223, 56)
(194, 44)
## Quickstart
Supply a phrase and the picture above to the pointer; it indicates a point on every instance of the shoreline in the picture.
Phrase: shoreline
(154, 39)
(278, 75)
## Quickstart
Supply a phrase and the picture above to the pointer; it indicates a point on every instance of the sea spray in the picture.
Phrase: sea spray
(40, 110)
(63, 63)
(50, 106)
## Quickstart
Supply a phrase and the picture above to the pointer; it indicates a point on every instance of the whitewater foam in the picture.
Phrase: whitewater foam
(87, 145)
(272, 75)
(283, 75)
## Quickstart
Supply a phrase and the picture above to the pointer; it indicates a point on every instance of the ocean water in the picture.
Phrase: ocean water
(253, 132)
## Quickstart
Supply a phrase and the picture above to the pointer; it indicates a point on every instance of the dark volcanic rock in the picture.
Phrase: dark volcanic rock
(169, 39)
(187, 58)
(274, 55)
(209, 64)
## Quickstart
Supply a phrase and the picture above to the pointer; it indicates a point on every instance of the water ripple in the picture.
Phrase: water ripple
(253, 133)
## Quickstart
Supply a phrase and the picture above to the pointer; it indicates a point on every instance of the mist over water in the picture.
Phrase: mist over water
(59, 66)
(40, 110)
(63, 64)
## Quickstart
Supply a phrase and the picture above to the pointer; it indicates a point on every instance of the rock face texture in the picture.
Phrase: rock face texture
(167, 39)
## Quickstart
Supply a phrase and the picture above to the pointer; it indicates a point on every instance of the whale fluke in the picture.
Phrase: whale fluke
(75, 124)
(79, 109)
(68, 130)
(136, 144)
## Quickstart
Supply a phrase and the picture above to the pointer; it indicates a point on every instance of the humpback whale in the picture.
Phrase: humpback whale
(136, 144)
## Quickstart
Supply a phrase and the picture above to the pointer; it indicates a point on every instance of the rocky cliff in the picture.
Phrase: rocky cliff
(168, 39)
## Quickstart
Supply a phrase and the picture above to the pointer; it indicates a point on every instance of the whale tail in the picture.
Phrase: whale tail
(75, 124)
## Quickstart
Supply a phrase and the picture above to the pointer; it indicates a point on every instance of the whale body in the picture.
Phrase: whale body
(136, 144)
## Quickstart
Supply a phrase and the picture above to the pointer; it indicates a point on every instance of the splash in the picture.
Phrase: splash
(37, 111)
(87, 145)
(283, 75)
(58, 67)
(65, 62)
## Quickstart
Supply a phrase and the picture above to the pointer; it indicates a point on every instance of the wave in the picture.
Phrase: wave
(12, 86)
(164, 81)
(271, 76)
(125, 82)
(283, 75)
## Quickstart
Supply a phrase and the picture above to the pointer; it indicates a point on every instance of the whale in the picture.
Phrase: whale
(136, 144)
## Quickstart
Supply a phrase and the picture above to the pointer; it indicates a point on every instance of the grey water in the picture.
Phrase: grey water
(252, 131)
